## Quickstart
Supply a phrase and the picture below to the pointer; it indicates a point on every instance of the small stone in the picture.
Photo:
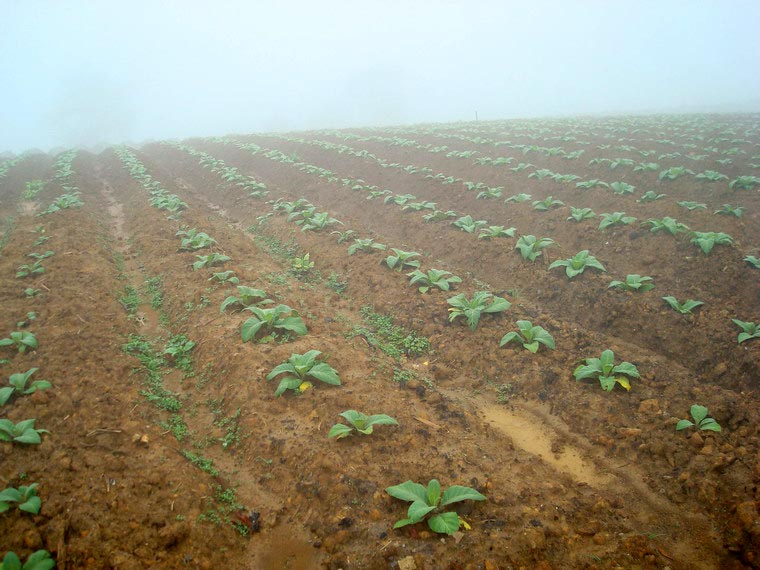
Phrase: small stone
(600, 538)
(720, 369)
(697, 440)
(630, 432)
(407, 563)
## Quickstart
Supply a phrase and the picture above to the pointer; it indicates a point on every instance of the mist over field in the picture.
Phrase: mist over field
(83, 73)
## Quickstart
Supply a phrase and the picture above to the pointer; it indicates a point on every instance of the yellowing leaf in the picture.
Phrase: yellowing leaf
(464, 524)
(623, 382)
(304, 386)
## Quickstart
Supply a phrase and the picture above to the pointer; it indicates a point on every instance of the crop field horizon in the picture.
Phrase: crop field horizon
(474, 345)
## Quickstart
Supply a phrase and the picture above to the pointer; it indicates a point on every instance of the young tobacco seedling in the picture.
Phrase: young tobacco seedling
(30, 292)
(18, 383)
(605, 370)
(691, 206)
(21, 339)
(622, 188)
(530, 247)
(400, 259)
(343, 236)
(225, 277)
(711, 176)
(490, 193)
(684, 308)
(707, 240)
(517, 198)
(301, 367)
(25, 497)
(360, 423)
(41, 256)
(650, 196)
(433, 278)
(471, 309)
(744, 182)
(467, 224)
(753, 261)
(615, 218)
(22, 432)
(39, 560)
(26, 269)
(729, 210)
(209, 260)
(547, 204)
(588, 184)
(246, 297)
(318, 221)
(280, 317)
(749, 330)
(674, 172)
(529, 336)
(367, 245)
(439, 216)
(578, 263)
(430, 500)
(496, 232)
(701, 420)
(668, 224)
(580, 214)
(301, 266)
(633, 282)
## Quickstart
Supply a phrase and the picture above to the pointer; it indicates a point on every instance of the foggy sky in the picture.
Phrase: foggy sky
(80, 72)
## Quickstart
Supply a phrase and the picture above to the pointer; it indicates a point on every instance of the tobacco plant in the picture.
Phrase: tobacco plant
(439, 278)
(359, 423)
(400, 259)
(530, 336)
(429, 500)
(605, 370)
(615, 218)
(668, 224)
(39, 560)
(580, 214)
(531, 247)
(650, 196)
(209, 260)
(517, 198)
(588, 184)
(674, 172)
(18, 385)
(633, 282)
(467, 224)
(26, 269)
(547, 204)
(622, 188)
(684, 308)
(691, 206)
(578, 263)
(439, 215)
(22, 340)
(711, 176)
(318, 221)
(225, 277)
(367, 245)
(25, 497)
(753, 261)
(344, 236)
(701, 420)
(706, 240)
(729, 210)
(22, 432)
(496, 232)
(749, 330)
(299, 369)
(246, 297)
(744, 182)
(278, 318)
(471, 309)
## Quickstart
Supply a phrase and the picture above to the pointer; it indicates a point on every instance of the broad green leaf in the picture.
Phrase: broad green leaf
(433, 492)
(30, 436)
(325, 373)
(381, 420)
(250, 328)
(339, 431)
(698, 413)
(457, 493)
(509, 337)
(683, 424)
(287, 383)
(709, 424)
(445, 523)
(280, 368)
(418, 510)
(32, 505)
(11, 562)
(408, 491)
(5, 394)
(626, 368)
(531, 346)
(293, 324)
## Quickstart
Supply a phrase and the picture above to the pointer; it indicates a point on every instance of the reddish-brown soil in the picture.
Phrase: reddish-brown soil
(575, 477)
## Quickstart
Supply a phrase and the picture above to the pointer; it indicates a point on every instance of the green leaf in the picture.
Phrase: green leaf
(626, 368)
(433, 492)
(30, 436)
(457, 493)
(5, 394)
(404, 522)
(32, 505)
(698, 413)
(293, 324)
(287, 383)
(10, 495)
(709, 424)
(250, 328)
(381, 420)
(40, 560)
(11, 562)
(683, 424)
(607, 382)
(325, 373)
(339, 431)
(509, 337)
(418, 510)
(445, 523)
(408, 491)
(280, 368)
(531, 346)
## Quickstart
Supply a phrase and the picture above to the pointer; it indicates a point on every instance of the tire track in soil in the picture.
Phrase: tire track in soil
(533, 430)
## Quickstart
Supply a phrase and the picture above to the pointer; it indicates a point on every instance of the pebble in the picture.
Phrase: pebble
(649, 406)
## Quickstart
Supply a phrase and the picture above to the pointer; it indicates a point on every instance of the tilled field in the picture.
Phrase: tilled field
(169, 448)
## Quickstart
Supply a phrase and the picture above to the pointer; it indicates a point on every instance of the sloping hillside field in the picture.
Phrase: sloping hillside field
(555, 323)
